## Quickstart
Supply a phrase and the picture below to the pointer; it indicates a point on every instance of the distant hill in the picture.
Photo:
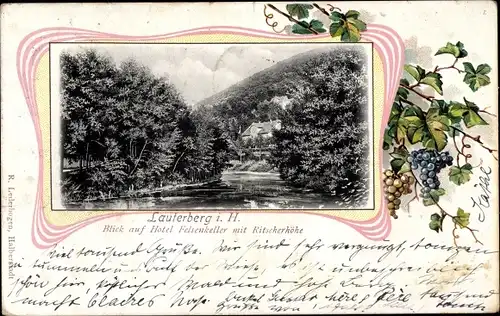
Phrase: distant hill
(257, 98)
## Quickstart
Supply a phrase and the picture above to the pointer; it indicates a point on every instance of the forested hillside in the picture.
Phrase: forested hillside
(127, 129)
(324, 140)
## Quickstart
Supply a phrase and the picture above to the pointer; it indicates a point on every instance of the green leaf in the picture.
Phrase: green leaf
(436, 126)
(415, 118)
(396, 164)
(404, 82)
(441, 105)
(415, 134)
(434, 80)
(460, 175)
(314, 24)
(472, 119)
(469, 68)
(351, 33)
(395, 114)
(456, 50)
(457, 110)
(301, 11)
(483, 69)
(444, 109)
(476, 78)
(347, 26)
(436, 222)
(413, 113)
(469, 112)
(452, 132)
(416, 72)
(435, 194)
(352, 14)
(399, 153)
(360, 25)
(402, 94)
(462, 218)
(317, 26)
(337, 26)
(387, 140)
(401, 130)
(463, 52)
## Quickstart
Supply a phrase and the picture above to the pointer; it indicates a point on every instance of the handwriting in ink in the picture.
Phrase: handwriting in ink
(482, 201)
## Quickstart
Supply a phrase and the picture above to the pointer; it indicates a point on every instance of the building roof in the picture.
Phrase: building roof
(264, 127)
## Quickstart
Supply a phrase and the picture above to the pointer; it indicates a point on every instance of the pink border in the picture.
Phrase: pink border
(31, 49)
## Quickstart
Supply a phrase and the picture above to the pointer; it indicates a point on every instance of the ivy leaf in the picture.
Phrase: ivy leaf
(476, 78)
(337, 25)
(353, 18)
(434, 136)
(416, 72)
(400, 166)
(472, 117)
(435, 194)
(460, 175)
(387, 140)
(402, 94)
(396, 129)
(399, 153)
(347, 26)
(314, 24)
(415, 118)
(456, 50)
(430, 130)
(444, 109)
(399, 163)
(350, 34)
(300, 10)
(436, 222)
(353, 14)
(434, 80)
(462, 218)
(463, 52)
(441, 105)
(317, 26)
(469, 112)
(452, 132)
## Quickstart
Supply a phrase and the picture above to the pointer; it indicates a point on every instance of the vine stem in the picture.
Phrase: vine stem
(461, 152)
(274, 24)
(332, 8)
(321, 9)
(291, 19)
(477, 139)
(438, 69)
(412, 89)
(486, 112)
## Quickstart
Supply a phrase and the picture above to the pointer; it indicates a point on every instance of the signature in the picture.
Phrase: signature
(482, 201)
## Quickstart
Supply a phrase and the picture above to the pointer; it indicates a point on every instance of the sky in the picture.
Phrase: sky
(201, 70)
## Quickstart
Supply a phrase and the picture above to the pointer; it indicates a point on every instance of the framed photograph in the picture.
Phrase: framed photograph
(249, 158)
(189, 126)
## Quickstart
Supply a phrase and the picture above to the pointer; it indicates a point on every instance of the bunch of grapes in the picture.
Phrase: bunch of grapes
(395, 186)
(430, 163)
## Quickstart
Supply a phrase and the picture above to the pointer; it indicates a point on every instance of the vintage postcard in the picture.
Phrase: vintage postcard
(249, 158)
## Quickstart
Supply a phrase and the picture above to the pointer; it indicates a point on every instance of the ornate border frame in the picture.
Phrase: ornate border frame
(35, 45)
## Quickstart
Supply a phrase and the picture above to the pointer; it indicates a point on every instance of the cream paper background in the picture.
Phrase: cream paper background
(424, 26)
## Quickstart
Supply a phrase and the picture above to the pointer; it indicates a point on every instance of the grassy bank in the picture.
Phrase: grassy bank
(252, 166)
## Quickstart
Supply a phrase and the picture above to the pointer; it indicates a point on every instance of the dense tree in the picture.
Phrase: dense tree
(129, 129)
(324, 139)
